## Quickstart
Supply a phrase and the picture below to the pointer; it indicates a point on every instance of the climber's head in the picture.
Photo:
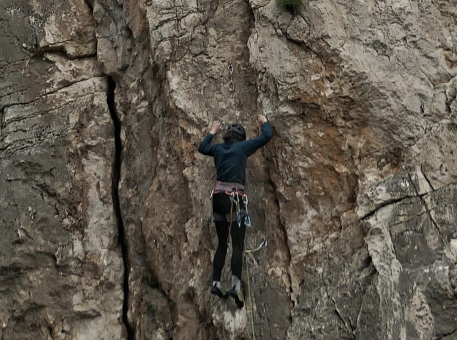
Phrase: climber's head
(234, 132)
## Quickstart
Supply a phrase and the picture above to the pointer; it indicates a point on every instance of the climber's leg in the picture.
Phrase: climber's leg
(237, 233)
(219, 258)
(221, 203)
(221, 251)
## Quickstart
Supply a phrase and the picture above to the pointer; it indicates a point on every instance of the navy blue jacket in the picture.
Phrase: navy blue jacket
(230, 158)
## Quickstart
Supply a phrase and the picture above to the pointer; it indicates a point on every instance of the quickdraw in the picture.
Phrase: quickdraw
(262, 244)
(247, 219)
(235, 199)
(231, 85)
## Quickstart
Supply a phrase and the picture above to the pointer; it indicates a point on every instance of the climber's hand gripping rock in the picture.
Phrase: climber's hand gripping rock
(216, 127)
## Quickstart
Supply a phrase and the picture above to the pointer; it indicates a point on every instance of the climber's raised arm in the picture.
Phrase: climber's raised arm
(205, 147)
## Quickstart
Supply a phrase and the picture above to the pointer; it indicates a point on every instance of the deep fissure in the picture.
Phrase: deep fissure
(116, 203)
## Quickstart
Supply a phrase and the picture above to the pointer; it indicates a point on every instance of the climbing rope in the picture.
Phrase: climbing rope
(250, 298)
(251, 251)
(230, 68)
(230, 224)
(262, 244)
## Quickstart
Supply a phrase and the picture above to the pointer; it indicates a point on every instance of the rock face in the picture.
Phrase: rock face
(104, 210)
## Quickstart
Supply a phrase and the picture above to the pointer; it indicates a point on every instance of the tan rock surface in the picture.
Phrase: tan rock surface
(104, 213)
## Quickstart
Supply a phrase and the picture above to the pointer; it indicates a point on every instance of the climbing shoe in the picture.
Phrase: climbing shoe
(218, 291)
(237, 296)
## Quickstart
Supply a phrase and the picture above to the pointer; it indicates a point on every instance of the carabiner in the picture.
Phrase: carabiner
(247, 221)
(239, 218)
(231, 86)
(230, 67)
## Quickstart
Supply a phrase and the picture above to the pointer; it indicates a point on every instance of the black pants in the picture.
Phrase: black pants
(222, 206)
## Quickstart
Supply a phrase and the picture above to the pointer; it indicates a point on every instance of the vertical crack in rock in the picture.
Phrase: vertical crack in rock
(90, 4)
(286, 243)
(117, 207)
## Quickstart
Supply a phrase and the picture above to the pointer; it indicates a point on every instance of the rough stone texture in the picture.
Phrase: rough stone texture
(104, 209)
(60, 264)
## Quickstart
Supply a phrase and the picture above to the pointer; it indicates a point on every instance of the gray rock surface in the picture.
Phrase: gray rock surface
(104, 212)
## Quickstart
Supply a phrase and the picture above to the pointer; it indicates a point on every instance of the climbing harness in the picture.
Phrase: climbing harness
(235, 200)
(235, 196)
(230, 68)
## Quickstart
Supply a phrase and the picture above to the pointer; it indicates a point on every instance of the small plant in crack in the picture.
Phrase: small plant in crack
(290, 5)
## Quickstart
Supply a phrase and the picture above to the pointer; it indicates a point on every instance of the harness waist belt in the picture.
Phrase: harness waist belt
(229, 186)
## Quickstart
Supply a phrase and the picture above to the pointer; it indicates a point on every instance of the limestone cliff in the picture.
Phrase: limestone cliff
(105, 230)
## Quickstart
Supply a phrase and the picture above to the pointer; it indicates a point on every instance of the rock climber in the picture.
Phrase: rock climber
(229, 199)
